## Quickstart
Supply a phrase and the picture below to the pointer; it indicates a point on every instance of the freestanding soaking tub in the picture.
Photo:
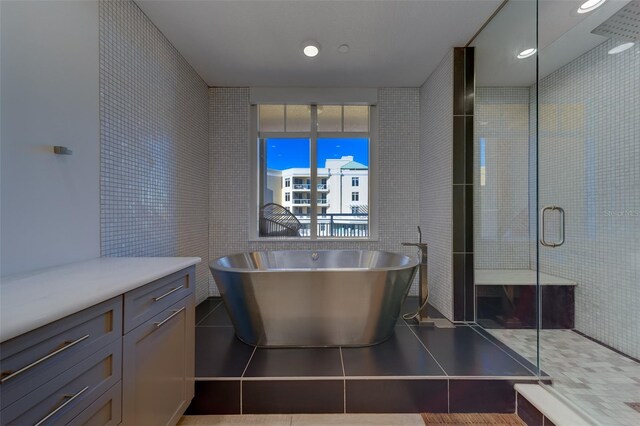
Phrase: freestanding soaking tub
(314, 298)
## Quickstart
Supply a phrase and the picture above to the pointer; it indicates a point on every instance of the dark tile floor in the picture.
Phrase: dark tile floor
(417, 369)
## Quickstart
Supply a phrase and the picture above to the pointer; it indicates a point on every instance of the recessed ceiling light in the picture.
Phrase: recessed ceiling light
(621, 48)
(343, 48)
(590, 5)
(527, 52)
(310, 48)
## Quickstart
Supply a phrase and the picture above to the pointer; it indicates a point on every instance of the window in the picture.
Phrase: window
(320, 166)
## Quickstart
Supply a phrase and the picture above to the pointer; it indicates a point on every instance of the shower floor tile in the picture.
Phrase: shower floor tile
(414, 357)
(597, 380)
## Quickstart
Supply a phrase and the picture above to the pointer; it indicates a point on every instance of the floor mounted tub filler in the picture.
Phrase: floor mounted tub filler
(314, 298)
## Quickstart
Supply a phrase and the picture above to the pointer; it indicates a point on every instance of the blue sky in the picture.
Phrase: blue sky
(287, 153)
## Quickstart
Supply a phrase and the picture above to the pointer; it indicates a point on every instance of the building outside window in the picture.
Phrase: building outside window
(317, 167)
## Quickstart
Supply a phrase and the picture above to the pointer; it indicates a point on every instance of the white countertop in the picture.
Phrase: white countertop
(34, 299)
(516, 277)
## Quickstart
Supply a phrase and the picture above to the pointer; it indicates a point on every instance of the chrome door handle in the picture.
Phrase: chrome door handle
(161, 323)
(8, 375)
(173, 290)
(543, 241)
(69, 400)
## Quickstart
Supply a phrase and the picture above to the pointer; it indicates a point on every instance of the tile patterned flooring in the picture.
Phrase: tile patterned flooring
(418, 369)
(599, 381)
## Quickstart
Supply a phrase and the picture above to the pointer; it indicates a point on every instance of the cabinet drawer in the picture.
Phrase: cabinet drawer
(32, 359)
(148, 301)
(68, 394)
(157, 372)
(104, 411)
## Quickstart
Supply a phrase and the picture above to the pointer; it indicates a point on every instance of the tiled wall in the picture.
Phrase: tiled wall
(436, 172)
(589, 164)
(398, 153)
(154, 150)
(501, 202)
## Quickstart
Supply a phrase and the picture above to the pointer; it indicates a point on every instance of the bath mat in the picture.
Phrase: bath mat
(431, 419)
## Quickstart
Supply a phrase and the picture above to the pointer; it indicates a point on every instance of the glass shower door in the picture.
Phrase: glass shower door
(588, 136)
(504, 180)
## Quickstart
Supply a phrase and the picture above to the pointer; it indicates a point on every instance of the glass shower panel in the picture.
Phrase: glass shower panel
(588, 94)
(504, 179)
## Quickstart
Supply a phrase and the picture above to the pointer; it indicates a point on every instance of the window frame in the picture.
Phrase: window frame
(313, 135)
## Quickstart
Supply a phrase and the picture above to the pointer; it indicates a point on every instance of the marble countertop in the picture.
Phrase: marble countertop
(34, 299)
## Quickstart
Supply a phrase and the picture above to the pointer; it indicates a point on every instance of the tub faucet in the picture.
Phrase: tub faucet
(421, 316)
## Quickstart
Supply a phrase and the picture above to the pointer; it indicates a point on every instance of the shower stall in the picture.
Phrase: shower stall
(557, 196)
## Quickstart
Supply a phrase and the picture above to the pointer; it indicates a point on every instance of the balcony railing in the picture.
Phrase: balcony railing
(337, 225)
(307, 201)
(307, 187)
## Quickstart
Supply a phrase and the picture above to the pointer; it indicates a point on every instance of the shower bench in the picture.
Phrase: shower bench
(506, 298)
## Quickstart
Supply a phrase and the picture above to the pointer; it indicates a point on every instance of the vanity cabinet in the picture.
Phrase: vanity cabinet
(32, 359)
(158, 370)
(128, 360)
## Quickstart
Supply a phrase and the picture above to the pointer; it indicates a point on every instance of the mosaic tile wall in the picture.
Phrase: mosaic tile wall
(501, 201)
(436, 178)
(589, 145)
(398, 153)
(154, 150)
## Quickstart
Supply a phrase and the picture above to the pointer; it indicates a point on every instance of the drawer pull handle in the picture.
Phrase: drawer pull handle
(11, 374)
(161, 323)
(69, 400)
(173, 290)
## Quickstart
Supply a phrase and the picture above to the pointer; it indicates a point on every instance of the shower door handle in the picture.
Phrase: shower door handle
(543, 241)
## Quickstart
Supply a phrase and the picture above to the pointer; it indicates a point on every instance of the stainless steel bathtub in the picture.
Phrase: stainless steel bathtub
(314, 298)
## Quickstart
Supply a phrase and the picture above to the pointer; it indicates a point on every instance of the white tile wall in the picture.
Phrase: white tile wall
(436, 179)
(154, 147)
(398, 145)
(589, 164)
(501, 206)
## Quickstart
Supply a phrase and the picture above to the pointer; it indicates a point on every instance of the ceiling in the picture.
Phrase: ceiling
(563, 35)
(258, 43)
